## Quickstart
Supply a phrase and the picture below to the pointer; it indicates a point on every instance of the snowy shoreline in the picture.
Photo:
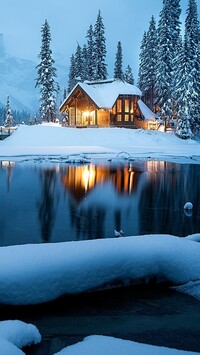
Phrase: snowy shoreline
(60, 144)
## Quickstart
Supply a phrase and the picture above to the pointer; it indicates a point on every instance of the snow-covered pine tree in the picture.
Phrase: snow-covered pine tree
(164, 68)
(46, 76)
(9, 116)
(143, 66)
(84, 63)
(192, 45)
(183, 129)
(78, 63)
(90, 54)
(64, 94)
(175, 31)
(72, 74)
(100, 49)
(175, 21)
(118, 71)
(128, 75)
(151, 62)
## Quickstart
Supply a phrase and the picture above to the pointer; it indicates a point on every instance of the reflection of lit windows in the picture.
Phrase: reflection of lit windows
(7, 163)
(131, 181)
(88, 176)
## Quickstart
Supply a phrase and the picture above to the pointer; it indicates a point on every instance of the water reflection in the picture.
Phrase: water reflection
(59, 203)
(46, 206)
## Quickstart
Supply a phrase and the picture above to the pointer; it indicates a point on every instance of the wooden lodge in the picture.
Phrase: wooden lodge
(109, 103)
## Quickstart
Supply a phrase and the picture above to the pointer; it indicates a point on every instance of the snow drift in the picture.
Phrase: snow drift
(55, 140)
(31, 274)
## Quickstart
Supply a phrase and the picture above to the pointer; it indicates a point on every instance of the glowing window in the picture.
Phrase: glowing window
(119, 105)
(126, 105)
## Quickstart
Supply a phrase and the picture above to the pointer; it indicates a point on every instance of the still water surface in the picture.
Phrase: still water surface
(63, 202)
(67, 202)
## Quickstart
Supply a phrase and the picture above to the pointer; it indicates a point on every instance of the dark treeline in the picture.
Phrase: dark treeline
(18, 116)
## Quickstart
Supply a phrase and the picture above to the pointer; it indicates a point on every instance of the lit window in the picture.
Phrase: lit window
(119, 118)
(126, 118)
(119, 105)
(126, 105)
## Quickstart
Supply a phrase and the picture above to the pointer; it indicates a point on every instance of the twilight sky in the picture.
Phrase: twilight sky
(124, 20)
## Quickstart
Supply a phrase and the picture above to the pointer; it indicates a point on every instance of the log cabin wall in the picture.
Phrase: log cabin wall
(103, 118)
(141, 124)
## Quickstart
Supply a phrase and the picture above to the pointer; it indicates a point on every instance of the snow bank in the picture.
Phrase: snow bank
(99, 345)
(31, 274)
(15, 334)
(194, 237)
(51, 140)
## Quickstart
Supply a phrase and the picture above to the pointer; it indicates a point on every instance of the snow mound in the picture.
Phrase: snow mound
(15, 334)
(194, 237)
(190, 288)
(38, 273)
(98, 345)
(188, 206)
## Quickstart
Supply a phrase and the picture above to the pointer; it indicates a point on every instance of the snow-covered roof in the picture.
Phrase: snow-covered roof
(146, 112)
(105, 93)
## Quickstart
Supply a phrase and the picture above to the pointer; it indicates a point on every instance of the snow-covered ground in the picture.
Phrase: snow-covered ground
(16, 334)
(102, 345)
(32, 274)
(50, 140)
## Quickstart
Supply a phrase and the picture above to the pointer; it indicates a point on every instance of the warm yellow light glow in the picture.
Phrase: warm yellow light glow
(86, 113)
(131, 181)
(88, 176)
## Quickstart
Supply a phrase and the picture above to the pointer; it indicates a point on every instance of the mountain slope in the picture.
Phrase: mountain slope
(17, 78)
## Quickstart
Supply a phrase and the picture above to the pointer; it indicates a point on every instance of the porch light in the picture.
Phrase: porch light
(86, 114)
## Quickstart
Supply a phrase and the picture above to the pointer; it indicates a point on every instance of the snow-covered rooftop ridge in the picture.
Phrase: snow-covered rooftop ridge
(106, 81)
(105, 93)
(146, 112)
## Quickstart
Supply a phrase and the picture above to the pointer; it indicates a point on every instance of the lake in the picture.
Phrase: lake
(61, 202)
